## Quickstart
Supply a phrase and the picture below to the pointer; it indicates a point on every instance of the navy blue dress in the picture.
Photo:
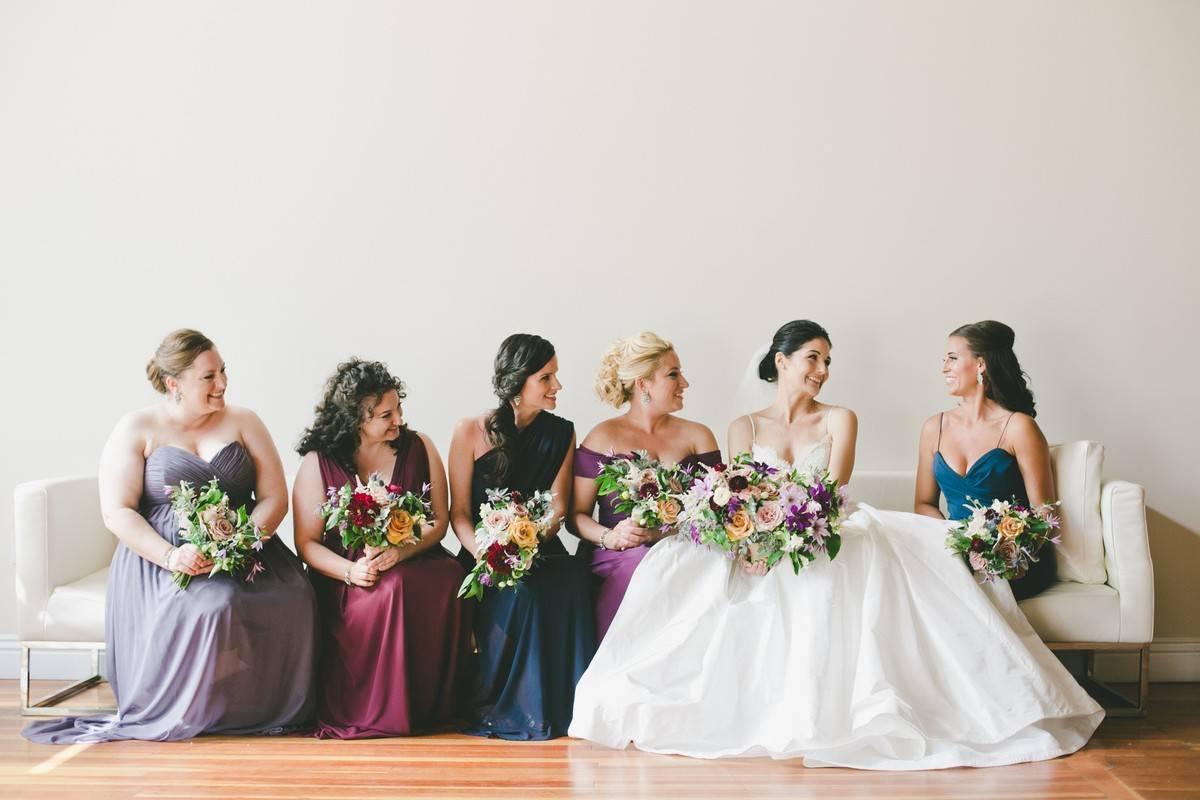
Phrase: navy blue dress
(994, 476)
(536, 639)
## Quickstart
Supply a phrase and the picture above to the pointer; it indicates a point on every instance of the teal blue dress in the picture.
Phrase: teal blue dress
(994, 476)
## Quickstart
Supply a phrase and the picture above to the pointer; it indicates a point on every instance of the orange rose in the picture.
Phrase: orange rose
(1011, 527)
(400, 527)
(668, 510)
(739, 526)
(523, 533)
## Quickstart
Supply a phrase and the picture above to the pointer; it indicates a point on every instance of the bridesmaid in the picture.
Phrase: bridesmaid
(989, 447)
(644, 371)
(225, 655)
(534, 640)
(394, 633)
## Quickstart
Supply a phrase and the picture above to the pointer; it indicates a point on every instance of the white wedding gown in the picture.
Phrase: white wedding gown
(890, 657)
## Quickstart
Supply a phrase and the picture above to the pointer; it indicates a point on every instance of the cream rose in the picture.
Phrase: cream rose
(721, 495)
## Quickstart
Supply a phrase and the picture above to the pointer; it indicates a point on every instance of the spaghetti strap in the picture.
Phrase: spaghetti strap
(1004, 429)
(941, 419)
(753, 432)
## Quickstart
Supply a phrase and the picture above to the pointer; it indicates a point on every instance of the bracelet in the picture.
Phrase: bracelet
(346, 579)
(167, 558)
(607, 531)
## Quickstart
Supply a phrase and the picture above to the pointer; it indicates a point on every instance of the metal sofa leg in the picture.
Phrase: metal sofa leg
(1116, 703)
(46, 706)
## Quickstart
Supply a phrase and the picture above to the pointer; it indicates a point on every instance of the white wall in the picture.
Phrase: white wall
(413, 181)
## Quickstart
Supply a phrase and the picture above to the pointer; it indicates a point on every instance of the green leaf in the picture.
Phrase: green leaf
(833, 546)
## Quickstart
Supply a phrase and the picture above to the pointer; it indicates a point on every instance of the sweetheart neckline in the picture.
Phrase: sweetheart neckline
(197, 456)
(811, 447)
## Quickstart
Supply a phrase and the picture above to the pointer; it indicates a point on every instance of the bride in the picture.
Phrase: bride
(890, 656)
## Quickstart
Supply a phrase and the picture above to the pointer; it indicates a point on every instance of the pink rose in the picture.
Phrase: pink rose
(978, 562)
(216, 523)
(768, 516)
(498, 519)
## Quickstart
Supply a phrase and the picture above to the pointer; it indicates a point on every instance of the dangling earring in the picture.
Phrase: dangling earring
(979, 377)
(517, 400)
(645, 398)
(178, 397)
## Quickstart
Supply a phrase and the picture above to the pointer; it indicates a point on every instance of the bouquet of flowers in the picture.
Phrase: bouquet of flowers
(651, 494)
(1003, 539)
(510, 527)
(376, 514)
(226, 537)
(753, 510)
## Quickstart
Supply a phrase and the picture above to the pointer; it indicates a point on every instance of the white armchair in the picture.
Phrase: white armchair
(1104, 598)
(62, 555)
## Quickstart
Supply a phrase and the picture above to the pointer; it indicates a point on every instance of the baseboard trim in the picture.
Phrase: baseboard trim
(1172, 660)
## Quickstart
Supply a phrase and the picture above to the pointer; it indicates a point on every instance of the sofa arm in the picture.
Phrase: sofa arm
(1127, 557)
(58, 538)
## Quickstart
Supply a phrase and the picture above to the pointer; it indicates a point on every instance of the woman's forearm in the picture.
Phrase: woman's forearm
(132, 529)
(586, 528)
(324, 560)
(269, 512)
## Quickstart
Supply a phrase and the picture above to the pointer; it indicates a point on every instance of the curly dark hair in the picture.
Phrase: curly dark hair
(351, 395)
(1003, 381)
(520, 356)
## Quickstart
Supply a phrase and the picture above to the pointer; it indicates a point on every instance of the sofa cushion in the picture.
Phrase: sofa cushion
(75, 612)
(1075, 612)
(1077, 467)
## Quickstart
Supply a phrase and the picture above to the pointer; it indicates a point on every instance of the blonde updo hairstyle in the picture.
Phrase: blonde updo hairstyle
(178, 351)
(627, 360)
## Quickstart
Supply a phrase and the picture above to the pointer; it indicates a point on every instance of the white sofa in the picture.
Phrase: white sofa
(1104, 599)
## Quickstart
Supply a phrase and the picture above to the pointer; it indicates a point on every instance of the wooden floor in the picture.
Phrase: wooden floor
(1156, 757)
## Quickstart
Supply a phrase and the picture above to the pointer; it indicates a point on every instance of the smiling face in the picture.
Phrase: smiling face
(665, 386)
(200, 387)
(806, 370)
(961, 367)
(540, 391)
(382, 418)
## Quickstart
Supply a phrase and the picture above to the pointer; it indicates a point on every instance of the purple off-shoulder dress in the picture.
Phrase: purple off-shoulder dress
(392, 655)
(615, 568)
(222, 656)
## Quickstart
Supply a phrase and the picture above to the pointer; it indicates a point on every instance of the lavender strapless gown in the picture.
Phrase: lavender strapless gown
(615, 568)
(224, 656)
